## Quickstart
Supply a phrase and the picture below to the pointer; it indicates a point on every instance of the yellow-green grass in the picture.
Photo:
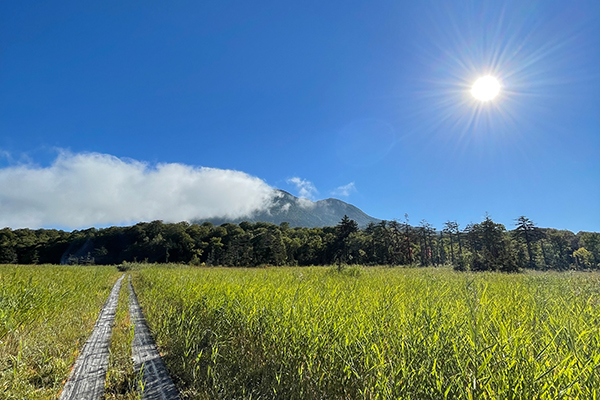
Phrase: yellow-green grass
(46, 315)
(314, 333)
(121, 380)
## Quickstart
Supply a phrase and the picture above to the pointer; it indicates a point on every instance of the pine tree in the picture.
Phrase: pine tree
(528, 232)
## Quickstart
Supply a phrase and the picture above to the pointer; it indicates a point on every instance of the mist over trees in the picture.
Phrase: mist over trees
(484, 246)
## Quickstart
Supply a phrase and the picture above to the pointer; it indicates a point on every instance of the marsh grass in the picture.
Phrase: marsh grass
(46, 315)
(308, 333)
(121, 380)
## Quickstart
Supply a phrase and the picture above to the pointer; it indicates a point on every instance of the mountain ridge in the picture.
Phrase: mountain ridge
(302, 212)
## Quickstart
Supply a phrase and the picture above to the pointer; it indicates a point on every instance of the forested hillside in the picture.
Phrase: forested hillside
(483, 246)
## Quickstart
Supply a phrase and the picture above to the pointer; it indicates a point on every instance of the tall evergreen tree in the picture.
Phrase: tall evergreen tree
(491, 249)
(529, 233)
(344, 229)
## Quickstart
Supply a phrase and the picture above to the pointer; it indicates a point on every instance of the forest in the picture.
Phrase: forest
(484, 246)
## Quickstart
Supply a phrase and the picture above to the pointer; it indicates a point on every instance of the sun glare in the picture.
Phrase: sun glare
(485, 88)
(484, 79)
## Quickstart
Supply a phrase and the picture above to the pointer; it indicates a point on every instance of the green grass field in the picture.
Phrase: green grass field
(313, 333)
(46, 315)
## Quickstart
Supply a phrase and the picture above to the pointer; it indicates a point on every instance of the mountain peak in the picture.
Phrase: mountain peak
(302, 212)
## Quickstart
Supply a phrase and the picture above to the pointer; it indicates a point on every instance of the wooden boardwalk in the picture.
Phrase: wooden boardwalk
(87, 379)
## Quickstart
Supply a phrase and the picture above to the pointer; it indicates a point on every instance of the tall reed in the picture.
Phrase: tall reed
(314, 333)
(46, 315)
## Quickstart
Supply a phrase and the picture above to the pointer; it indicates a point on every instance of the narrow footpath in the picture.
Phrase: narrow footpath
(86, 381)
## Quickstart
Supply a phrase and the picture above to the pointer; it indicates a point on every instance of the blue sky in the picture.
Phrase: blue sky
(365, 101)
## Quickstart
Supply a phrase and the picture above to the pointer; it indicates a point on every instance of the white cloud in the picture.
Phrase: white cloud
(80, 190)
(305, 188)
(305, 203)
(345, 190)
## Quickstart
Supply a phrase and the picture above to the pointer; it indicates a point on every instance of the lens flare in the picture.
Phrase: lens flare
(475, 56)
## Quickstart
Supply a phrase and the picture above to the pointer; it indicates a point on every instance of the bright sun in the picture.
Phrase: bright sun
(485, 88)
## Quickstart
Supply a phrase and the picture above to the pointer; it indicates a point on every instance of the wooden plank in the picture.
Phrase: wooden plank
(157, 383)
(86, 381)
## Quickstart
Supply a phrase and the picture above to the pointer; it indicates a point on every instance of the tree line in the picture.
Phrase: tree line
(484, 246)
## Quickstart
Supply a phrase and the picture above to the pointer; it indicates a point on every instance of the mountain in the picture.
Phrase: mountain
(300, 212)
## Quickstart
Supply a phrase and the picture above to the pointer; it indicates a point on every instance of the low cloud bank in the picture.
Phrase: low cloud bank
(91, 189)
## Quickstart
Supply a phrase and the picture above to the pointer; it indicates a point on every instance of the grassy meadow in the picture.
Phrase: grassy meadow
(314, 333)
(46, 314)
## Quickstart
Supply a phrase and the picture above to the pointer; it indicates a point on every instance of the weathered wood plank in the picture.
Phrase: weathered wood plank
(146, 359)
(86, 381)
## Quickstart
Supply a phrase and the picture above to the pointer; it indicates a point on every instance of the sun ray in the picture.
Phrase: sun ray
(500, 40)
